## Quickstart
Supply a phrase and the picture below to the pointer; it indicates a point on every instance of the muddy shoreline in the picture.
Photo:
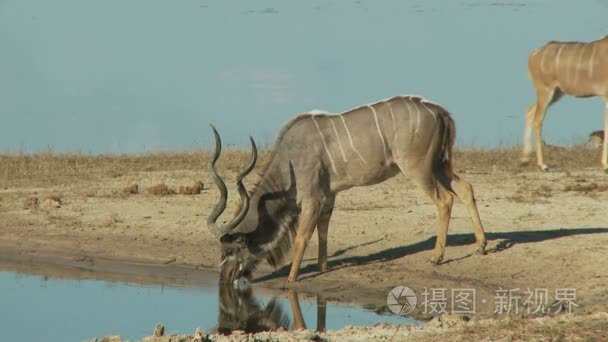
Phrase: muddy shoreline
(66, 264)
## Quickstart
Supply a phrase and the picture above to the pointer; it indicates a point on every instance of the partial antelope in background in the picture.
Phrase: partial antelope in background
(596, 138)
(572, 68)
(318, 155)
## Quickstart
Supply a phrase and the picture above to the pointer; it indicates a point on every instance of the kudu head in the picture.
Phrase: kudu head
(237, 259)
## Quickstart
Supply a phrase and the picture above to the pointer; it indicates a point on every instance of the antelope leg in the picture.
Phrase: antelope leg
(308, 221)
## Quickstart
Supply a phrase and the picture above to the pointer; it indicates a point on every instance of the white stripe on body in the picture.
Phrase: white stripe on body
(429, 109)
(379, 132)
(395, 147)
(409, 112)
(578, 64)
(331, 159)
(542, 60)
(417, 120)
(569, 66)
(559, 52)
(591, 61)
(351, 139)
(338, 139)
(390, 109)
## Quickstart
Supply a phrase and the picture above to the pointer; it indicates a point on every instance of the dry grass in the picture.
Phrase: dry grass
(574, 157)
(49, 167)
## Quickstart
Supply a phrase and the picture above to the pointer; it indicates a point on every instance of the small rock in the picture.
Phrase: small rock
(52, 201)
(131, 189)
(55, 198)
(199, 335)
(306, 335)
(184, 190)
(30, 203)
(160, 190)
(159, 331)
(195, 189)
(596, 138)
(115, 338)
(448, 321)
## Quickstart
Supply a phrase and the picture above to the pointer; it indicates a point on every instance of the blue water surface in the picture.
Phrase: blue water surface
(36, 308)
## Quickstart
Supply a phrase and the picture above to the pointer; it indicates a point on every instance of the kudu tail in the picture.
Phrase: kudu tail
(449, 137)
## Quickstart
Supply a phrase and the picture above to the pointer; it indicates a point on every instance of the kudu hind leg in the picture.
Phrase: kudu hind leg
(464, 191)
(525, 158)
(605, 142)
(443, 200)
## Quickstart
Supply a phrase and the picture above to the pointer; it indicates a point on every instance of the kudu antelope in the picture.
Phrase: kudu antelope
(239, 309)
(318, 155)
(572, 68)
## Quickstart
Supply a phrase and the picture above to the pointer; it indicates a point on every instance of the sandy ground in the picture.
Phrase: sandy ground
(588, 327)
(545, 231)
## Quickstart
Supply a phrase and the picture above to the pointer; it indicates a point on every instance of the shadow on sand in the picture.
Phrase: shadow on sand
(505, 240)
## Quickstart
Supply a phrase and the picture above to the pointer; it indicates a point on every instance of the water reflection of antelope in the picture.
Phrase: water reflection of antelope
(240, 310)
(318, 155)
(572, 68)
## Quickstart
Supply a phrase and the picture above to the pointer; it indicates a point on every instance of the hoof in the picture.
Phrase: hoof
(481, 249)
(544, 168)
(435, 260)
(291, 279)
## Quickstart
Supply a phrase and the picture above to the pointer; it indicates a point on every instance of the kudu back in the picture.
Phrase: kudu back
(316, 156)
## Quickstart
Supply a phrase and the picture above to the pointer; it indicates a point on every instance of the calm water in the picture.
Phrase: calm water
(112, 76)
(35, 308)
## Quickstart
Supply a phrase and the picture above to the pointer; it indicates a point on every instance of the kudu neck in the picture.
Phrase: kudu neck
(270, 198)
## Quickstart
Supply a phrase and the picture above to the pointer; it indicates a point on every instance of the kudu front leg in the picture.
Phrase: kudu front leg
(308, 220)
(543, 99)
(296, 311)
